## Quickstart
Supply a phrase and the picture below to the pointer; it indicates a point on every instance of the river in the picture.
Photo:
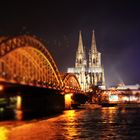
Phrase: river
(105, 123)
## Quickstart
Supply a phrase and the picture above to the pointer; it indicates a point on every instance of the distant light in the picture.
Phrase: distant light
(1, 87)
(113, 98)
(125, 98)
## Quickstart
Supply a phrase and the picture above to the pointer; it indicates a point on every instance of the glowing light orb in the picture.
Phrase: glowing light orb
(1, 88)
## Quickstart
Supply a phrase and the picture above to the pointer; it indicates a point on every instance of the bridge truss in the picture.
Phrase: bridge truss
(25, 60)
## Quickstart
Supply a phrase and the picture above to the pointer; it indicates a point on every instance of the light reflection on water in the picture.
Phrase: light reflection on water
(108, 114)
(92, 124)
(3, 133)
(70, 125)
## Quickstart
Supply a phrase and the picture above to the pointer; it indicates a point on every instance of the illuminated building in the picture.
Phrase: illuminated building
(131, 87)
(89, 73)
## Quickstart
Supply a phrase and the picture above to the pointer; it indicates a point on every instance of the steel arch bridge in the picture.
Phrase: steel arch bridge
(70, 82)
(25, 60)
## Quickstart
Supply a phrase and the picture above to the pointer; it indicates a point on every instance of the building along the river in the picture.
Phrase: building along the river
(89, 72)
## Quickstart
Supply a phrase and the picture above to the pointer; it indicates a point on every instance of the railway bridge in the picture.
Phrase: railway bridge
(29, 78)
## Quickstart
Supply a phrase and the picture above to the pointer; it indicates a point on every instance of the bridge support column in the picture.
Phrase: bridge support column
(19, 113)
(68, 100)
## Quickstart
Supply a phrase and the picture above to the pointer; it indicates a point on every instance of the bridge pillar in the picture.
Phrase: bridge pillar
(68, 100)
(19, 112)
(25, 102)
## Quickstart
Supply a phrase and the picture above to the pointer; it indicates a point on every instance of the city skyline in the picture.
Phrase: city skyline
(116, 26)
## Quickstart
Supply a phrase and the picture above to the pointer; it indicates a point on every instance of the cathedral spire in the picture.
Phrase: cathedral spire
(80, 54)
(91, 74)
(94, 55)
(93, 44)
(80, 44)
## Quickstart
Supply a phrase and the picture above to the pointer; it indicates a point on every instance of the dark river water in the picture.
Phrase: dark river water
(108, 123)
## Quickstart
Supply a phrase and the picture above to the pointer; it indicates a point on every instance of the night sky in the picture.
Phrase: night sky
(116, 25)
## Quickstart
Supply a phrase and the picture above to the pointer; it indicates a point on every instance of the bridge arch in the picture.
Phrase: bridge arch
(70, 81)
(24, 59)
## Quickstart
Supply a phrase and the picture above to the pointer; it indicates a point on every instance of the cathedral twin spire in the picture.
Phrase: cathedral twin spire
(81, 54)
(88, 74)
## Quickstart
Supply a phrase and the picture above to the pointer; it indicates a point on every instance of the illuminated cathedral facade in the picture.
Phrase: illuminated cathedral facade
(89, 73)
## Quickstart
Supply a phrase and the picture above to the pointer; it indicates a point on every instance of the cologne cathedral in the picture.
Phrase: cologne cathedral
(89, 72)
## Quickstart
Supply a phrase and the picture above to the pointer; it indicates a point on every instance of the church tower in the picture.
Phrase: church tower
(94, 55)
(96, 71)
(91, 74)
(80, 54)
